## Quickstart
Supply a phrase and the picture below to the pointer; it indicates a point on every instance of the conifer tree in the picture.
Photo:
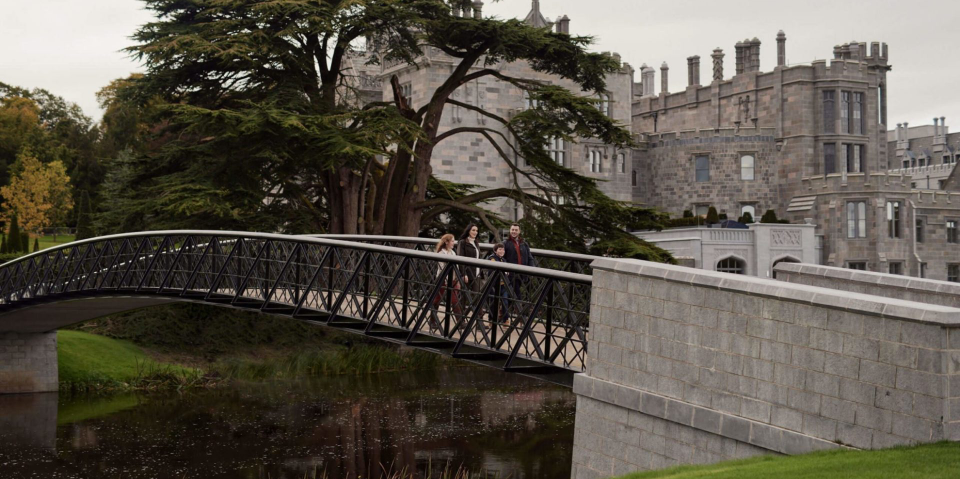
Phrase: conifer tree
(3, 244)
(712, 216)
(25, 242)
(769, 217)
(36, 245)
(84, 228)
(14, 242)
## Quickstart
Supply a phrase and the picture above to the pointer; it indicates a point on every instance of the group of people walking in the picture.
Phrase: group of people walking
(514, 250)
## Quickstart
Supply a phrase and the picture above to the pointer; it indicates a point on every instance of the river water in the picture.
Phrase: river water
(488, 422)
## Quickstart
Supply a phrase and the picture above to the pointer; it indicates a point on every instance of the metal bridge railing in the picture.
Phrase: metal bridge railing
(555, 260)
(520, 318)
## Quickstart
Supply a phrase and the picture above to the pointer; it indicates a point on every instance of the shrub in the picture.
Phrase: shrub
(747, 218)
(687, 214)
(14, 242)
(712, 216)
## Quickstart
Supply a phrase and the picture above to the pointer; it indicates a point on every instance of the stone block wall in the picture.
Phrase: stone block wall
(759, 365)
(888, 285)
(28, 362)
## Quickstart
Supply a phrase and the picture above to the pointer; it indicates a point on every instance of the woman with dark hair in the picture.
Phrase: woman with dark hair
(469, 247)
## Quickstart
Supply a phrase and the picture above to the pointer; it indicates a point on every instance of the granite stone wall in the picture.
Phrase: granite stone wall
(28, 362)
(773, 366)
(888, 285)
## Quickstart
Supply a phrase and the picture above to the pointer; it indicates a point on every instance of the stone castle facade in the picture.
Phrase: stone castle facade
(808, 141)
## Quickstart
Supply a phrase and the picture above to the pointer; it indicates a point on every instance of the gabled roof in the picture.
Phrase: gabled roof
(535, 18)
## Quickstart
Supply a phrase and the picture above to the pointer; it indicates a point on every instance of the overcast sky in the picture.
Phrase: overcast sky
(72, 47)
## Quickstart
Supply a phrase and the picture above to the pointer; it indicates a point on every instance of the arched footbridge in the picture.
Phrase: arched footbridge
(531, 320)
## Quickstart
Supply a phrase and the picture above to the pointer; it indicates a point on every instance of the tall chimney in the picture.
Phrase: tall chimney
(477, 7)
(781, 48)
(740, 47)
(755, 55)
(936, 131)
(664, 84)
(717, 64)
(898, 131)
(647, 75)
(693, 70)
(563, 25)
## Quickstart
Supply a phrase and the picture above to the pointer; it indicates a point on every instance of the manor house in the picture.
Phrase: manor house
(808, 141)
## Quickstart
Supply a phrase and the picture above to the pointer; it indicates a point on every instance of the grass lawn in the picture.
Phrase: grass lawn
(47, 241)
(85, 358)
(940, 460)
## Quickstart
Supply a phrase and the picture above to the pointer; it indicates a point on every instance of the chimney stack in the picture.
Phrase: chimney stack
(693, 70)
(936, 130)
(717, 64)
(754, 55)
(563, 25)
(664, 84)
(781, 49)
(477, 7)
(740, 47)
(646, 80)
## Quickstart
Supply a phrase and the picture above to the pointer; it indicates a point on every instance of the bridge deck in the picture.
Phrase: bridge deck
(397, 294)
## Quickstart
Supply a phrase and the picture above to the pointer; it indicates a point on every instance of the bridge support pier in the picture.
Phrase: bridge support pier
(28, 362)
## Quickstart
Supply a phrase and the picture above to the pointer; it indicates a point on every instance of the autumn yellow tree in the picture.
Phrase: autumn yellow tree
(38, 194)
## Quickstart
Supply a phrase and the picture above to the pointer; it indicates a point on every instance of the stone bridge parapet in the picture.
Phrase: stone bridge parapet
(691, 366)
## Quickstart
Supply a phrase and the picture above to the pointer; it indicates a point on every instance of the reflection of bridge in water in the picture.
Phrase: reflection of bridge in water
(520, 319)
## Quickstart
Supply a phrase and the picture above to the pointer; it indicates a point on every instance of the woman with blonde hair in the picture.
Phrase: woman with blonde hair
(445, 247)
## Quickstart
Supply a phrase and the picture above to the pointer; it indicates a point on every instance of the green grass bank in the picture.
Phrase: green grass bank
(186, 346)
(930, 461)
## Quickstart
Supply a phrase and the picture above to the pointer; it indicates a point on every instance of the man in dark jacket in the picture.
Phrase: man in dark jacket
(517, 252)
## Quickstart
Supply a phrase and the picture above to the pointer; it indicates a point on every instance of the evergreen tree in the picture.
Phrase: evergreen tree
(747, 218)
(769, 217)
(36, 245)
(687, 214)
(712, 216)
(84, 228)
(3, 244)
(14, 242)
(290, 149)
(25, 242)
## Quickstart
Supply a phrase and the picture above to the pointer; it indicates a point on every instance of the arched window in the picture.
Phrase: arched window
(746, 167)
(634, 177)
(732, 265)
(787, 259)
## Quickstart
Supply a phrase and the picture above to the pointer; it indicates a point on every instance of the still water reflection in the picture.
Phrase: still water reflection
(344, 427)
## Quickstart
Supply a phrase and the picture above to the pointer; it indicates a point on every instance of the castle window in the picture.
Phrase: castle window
(634, 180)
(621, 163)
(556, 151)
(844, 112)
(857, 265)
(596, 165)
(858, 127)
(946, 160)
(953, 273)
(746, 167)
(606, 104)
(406, 90)
(529, 102)
(893, 219)
(952, 231)
(829, 112)
(732, 265)
(703, 168)
(854, 157)
(857, 219)
(829, 158)
(896, 267)
(923, 270)
(702, 210)
(919, 233)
